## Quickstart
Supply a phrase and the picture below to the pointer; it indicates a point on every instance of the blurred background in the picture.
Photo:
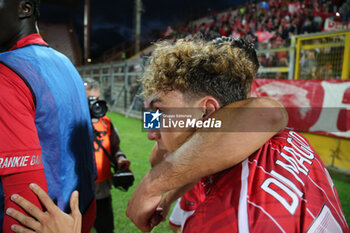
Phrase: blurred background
(303, 49)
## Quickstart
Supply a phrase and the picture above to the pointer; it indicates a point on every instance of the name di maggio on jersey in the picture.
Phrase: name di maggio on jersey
(298, 155)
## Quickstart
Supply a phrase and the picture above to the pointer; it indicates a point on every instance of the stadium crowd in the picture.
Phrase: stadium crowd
(270, 25)
(279, 19)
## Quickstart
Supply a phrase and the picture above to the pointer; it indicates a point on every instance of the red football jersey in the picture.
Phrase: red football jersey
(282, 187)
(186, 205)
(20, 150)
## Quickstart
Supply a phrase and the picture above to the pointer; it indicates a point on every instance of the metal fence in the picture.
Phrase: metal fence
(313, 56)
(322, 56)
(274, 63)
(120, 86)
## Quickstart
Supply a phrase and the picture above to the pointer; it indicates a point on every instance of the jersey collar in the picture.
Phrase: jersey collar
(27, 40)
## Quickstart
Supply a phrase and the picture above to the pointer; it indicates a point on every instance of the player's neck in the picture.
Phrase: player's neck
(26, 29)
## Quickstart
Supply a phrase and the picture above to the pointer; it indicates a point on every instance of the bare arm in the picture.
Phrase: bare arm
(165, 204)
(156, 156)
(207, 153)
(251, 122)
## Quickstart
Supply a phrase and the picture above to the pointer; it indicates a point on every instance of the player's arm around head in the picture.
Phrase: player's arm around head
(157, 155)
(271, 113)
(206, 76)
(251, 123)
(248, 124)
(215, 77)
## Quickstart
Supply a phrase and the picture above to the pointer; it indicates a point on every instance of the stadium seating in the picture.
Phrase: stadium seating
(272, 21)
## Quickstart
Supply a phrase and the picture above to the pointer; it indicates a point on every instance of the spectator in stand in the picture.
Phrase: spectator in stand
(307, 27)
(282, 56)
(324, 62)
(309, 65)
(262, 59)
(307, 17)
(202, 29)
(288, 31)
(272, 60)
(345, 11)
(224, 29)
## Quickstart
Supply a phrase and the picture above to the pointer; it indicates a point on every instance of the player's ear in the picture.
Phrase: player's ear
(25, 9)
(209, 105)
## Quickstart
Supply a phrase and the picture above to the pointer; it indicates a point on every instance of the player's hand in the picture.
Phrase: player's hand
(53, 220)
(161, 212)
(143, 206)
(123, 163)
(164, 207)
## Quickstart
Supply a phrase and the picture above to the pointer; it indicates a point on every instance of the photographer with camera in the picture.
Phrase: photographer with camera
(107, 154)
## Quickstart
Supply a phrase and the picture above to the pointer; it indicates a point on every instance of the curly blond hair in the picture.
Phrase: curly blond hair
(223, 68)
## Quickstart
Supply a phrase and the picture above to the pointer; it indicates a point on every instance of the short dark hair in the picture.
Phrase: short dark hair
(91, 83)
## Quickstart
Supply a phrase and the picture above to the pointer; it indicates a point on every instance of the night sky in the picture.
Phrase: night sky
(112, 20)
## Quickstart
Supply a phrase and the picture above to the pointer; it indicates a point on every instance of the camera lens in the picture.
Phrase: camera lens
(98, 108)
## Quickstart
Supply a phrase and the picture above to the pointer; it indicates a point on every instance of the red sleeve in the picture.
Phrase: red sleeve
(19, 184)
(20, 151)
(19, 143)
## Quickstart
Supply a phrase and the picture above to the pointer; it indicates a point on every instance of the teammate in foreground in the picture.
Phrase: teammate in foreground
(45, 126)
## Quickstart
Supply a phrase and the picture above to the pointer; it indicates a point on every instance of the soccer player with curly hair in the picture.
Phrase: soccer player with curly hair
(271, 180)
